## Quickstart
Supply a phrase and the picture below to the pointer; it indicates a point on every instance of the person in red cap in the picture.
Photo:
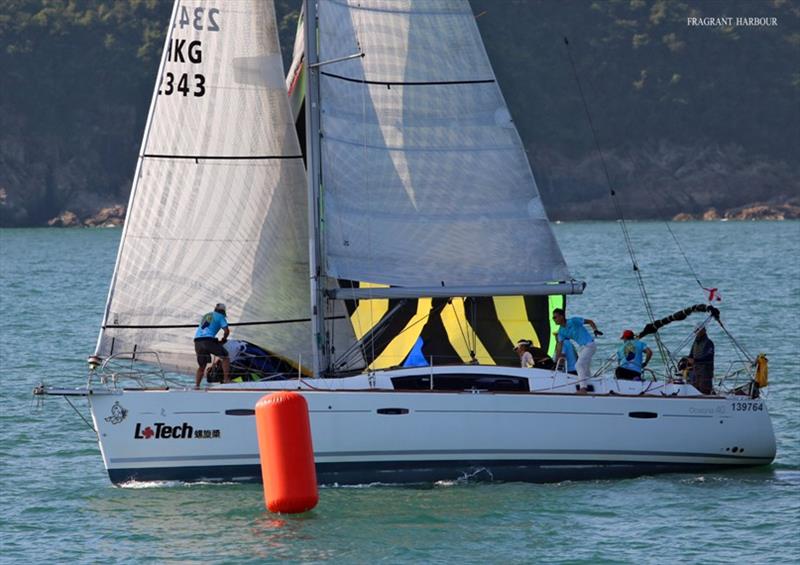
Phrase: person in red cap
(633, 356)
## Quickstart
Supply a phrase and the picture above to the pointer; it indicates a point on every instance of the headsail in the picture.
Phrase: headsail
(218, 207)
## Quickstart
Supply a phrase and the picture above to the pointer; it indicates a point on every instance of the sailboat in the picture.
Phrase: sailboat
(391, 279)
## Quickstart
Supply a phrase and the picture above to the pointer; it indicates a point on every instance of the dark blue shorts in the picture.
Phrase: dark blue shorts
(205, 347)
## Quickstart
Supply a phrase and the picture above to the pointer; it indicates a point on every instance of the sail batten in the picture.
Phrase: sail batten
(410, 83)
(222, 157)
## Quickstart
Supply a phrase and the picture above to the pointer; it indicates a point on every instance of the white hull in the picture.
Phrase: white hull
(380, 435)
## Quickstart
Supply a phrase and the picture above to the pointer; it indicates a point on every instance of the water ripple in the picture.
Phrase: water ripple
(57, 504)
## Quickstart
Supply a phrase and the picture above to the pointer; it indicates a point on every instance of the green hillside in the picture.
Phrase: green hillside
(687, 116)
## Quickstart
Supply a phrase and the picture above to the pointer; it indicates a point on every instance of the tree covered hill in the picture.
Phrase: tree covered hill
(687, 116)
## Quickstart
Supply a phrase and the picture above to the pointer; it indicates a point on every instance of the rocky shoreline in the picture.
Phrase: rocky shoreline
(109, 217)
(114, 216)
(757, 211)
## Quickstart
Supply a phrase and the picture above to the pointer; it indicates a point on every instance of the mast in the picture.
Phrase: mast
(315, 263)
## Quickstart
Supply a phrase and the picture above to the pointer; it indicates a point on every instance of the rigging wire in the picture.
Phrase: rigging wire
(422, 319)
(358, 26)
(711, 291)
(742, 353)
(466, 339)
(79, 414)
(473, 306)
(662, 349)
(740, 350)
(685, 258)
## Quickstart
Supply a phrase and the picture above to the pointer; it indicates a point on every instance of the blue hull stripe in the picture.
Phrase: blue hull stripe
(449, 452)
(533, 471)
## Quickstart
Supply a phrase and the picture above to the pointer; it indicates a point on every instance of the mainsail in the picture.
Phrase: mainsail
(424, 184)
(425, 181)
(218, 206)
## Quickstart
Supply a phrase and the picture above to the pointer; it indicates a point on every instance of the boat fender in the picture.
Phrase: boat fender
(762, 370)
(286, 452)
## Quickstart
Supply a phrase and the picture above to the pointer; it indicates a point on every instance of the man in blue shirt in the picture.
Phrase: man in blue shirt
(573, 328)
(633, 356)
(206, 344)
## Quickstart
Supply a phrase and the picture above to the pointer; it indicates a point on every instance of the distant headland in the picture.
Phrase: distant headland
(693, 121)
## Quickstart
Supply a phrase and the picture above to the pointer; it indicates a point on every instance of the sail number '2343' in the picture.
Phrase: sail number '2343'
(188, 51)
(199, 19)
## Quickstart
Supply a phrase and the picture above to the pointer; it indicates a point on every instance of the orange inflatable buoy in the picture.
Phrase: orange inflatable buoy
(287, 456)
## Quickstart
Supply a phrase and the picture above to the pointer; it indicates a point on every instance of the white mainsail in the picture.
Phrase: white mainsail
(218, 207)
(425, 181)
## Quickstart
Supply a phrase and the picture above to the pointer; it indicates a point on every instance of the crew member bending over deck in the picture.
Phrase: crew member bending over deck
(573, 328)
(206, 344)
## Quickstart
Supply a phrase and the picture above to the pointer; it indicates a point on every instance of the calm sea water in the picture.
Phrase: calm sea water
(57, 505)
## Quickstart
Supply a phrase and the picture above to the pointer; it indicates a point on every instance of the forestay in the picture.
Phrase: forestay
(425, 180)
(218, 207)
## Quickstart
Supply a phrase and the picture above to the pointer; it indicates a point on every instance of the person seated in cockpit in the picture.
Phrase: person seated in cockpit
(531, 356)
(633, 356)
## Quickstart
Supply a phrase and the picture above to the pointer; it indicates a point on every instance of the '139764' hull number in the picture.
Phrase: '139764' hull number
(747, 406)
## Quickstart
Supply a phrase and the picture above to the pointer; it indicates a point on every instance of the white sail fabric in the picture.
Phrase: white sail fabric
(218, 209)
(425, 179)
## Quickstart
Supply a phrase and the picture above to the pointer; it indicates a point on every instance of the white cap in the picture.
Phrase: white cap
(220, 307)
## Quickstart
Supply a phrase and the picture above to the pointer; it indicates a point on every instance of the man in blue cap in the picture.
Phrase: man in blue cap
(206, 344)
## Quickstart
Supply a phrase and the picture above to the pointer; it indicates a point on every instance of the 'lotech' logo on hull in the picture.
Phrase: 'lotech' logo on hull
(160, 430)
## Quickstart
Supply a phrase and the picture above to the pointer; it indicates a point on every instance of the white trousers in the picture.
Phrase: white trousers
(582, 365)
